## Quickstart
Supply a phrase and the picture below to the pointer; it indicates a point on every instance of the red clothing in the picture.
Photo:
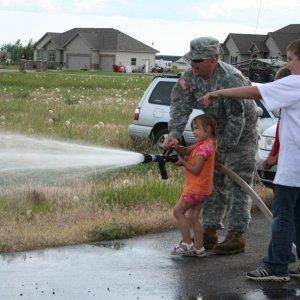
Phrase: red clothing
(201, 183)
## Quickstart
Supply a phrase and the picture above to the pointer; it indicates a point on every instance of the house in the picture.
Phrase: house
(239, 47)
(94, 48)
(165, 61)
(278, 40)
(181, 64)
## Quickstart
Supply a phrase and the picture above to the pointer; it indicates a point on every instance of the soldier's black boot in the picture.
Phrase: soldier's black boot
(233, 244)
(210, 238)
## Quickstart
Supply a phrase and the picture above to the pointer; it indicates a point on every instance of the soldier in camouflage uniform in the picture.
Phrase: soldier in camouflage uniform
(237, 135)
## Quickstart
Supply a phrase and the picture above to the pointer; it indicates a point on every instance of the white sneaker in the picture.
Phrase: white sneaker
(198, 252)
(182, 249)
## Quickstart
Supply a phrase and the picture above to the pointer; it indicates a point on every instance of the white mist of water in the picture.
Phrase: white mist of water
(31, 160)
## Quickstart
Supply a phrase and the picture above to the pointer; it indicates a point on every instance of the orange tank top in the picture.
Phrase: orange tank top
(201, 183)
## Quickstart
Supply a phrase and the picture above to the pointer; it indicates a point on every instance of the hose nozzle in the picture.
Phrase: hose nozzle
(159, 158)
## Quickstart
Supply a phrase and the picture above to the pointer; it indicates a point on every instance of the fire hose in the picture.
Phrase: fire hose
(162, 159)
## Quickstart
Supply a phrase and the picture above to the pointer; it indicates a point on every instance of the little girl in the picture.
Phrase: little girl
(198, 170)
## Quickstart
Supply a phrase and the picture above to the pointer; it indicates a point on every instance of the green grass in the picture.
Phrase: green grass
(75, 80)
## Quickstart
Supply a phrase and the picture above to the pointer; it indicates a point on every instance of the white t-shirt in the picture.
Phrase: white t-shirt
(285, 93)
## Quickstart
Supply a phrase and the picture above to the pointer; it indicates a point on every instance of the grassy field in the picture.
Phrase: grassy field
(93, 108)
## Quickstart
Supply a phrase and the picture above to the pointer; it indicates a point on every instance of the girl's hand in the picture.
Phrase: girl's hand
(208, 98)
(180, 161)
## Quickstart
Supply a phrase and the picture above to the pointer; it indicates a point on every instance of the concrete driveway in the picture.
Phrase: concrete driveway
(140, 268)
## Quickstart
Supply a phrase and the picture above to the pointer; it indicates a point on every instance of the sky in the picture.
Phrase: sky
(167, 26)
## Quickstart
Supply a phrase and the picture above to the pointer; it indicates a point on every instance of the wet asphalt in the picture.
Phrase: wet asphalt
(140, 268)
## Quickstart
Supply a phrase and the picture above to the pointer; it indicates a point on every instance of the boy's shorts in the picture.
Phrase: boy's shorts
(193, 199)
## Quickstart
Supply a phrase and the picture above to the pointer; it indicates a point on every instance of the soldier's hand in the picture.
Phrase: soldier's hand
(208, 98)
(170, 142)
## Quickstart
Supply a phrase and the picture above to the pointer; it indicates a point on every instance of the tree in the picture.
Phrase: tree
(6, 47)
(28, 50)
(16, 51)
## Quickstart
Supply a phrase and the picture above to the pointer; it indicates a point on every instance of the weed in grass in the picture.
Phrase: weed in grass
(70, 99)
(112, 230)
(22, 93)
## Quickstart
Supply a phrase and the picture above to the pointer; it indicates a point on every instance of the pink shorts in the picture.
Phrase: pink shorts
(193, 199)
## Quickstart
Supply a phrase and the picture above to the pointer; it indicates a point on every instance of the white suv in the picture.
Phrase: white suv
(152, 115)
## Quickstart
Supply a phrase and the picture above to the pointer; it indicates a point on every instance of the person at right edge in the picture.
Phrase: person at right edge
(237, 139)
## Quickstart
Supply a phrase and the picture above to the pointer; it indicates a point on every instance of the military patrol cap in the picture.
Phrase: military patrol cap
(203, 48)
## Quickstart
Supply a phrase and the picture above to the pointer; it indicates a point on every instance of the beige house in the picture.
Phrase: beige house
(94, 48)
(239, 47)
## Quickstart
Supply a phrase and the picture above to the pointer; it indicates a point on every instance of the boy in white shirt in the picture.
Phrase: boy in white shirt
(283, 93)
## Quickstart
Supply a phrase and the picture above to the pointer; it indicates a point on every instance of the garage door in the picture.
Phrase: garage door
(106, 63)
(79, 62)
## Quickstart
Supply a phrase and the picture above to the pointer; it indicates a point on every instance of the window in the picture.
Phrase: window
(45, 55)
(51, 55)
(133, 61)
(161, 94)
(265, 112)
(233, 59)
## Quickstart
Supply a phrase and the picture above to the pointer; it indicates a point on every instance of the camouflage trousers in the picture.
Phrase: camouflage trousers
(228, 198)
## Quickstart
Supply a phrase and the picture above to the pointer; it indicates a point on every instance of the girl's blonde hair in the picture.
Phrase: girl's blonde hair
(208, 123)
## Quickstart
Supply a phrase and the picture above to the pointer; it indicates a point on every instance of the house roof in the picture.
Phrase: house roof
(282, 39)
(171, 58)
(261, 46)
(244, 41)
(292, 28)
(104, 39)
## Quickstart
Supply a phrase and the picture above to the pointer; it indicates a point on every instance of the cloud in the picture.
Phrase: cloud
(88, 6)
(8, 3)
(47, 5)
(231, 8)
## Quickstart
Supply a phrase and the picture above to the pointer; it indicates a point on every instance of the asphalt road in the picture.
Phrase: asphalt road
(140, 268)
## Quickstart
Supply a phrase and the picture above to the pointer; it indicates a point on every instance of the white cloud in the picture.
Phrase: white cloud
(47, 5)
(8, 3)
(229, 8)
(86, 6)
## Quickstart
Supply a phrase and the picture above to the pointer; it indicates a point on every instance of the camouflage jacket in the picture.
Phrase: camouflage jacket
(237, 125)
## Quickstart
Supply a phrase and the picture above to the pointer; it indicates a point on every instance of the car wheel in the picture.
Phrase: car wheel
(158, 138)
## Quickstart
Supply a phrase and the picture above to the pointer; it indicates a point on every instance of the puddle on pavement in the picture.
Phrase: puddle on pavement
(111, 245)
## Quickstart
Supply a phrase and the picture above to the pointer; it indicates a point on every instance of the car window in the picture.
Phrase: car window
(161, 94)
(265, 112)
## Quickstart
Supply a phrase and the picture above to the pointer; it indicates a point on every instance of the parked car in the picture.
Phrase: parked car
(265, 145)
(152, 114)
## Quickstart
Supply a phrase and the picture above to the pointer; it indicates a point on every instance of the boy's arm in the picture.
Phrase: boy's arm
(246, 92)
